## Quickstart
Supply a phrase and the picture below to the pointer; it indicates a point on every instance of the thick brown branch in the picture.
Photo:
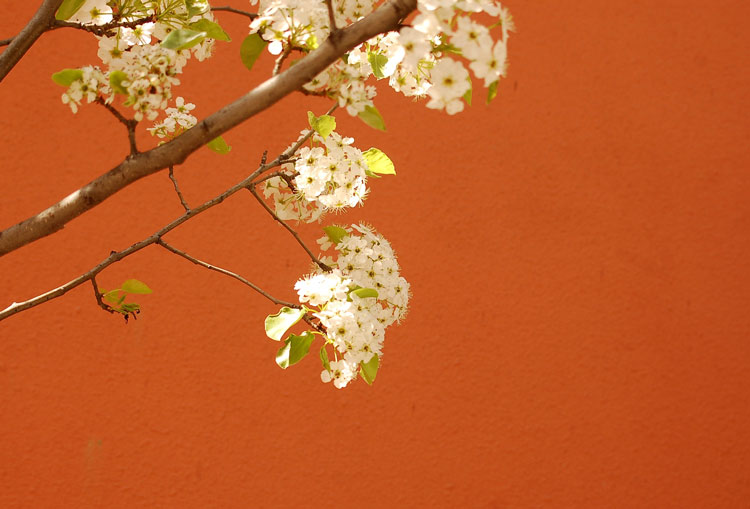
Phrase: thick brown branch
(386, 18)
(239, 278)
(21, 43)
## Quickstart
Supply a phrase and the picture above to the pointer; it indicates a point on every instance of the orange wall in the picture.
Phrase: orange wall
(579, 259)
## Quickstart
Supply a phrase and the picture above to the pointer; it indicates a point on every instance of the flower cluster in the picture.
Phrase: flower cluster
(90, 83)
(329, 175)
(357, 300)
(178, 120)
(414, 60)
(138, 62)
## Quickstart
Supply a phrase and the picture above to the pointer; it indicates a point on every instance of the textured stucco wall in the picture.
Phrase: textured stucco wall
(579, 259)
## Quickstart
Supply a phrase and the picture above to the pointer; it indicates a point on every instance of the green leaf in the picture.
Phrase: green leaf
(363, 293)
(312, 42)
(278, 324)
(377, 62)
(371, 116)
(251, 49)
(213, 30)
(294, 350)
(182, 39)
(369, 370)
(135, 286)
(196, 7)
(467, 96)
(129, 307)
(378, 162)
(492, 92)
(68, 8)
(66, 77)
(324, 358)
(219, 146)
(111, 296)
(335, 233)
(115, 81)
(323, 125)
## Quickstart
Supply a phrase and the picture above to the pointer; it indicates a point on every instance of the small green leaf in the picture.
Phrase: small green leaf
(335, 233)
(196, 7)
(219, 146)
(378, 162)
(324, 358)
(492, 92)
(68, 8)
(363, 293)
(129, 307)
(111, 296)
(369, 370)
(213, 30)
(467, 96)
(312, 42)
(251, 49)
(377, 62)
(182, 38)
(371, 116)
(135, 286)
(294, 350)
(278, 324)
(323, 125)
(66, 77)
(115, 81)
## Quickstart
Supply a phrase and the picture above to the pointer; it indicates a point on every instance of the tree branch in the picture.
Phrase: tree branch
(106, 29)
(251, 188)
(129, 123)
(333, 29)
(116, 256)
(280, 60)
(135, 167)
(21, 43)
(250, 15)
(177, 189)
(239, 278)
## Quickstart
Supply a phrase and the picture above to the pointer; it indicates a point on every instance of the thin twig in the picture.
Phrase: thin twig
(250, 15)
(177, 189)
(287, 178)
(280, 60)
(129, 123)
(239, 278)
(98, 296)
(251, 188)
(106, 30)
(116, 256)
(332, 21)
(101, 30)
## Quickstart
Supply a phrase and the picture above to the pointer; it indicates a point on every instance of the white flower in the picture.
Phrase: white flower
(93, 12)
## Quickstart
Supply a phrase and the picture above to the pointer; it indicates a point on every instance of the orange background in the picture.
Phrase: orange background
(578, 253)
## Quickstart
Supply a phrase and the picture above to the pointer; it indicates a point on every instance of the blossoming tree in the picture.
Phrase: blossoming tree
(338, 49)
